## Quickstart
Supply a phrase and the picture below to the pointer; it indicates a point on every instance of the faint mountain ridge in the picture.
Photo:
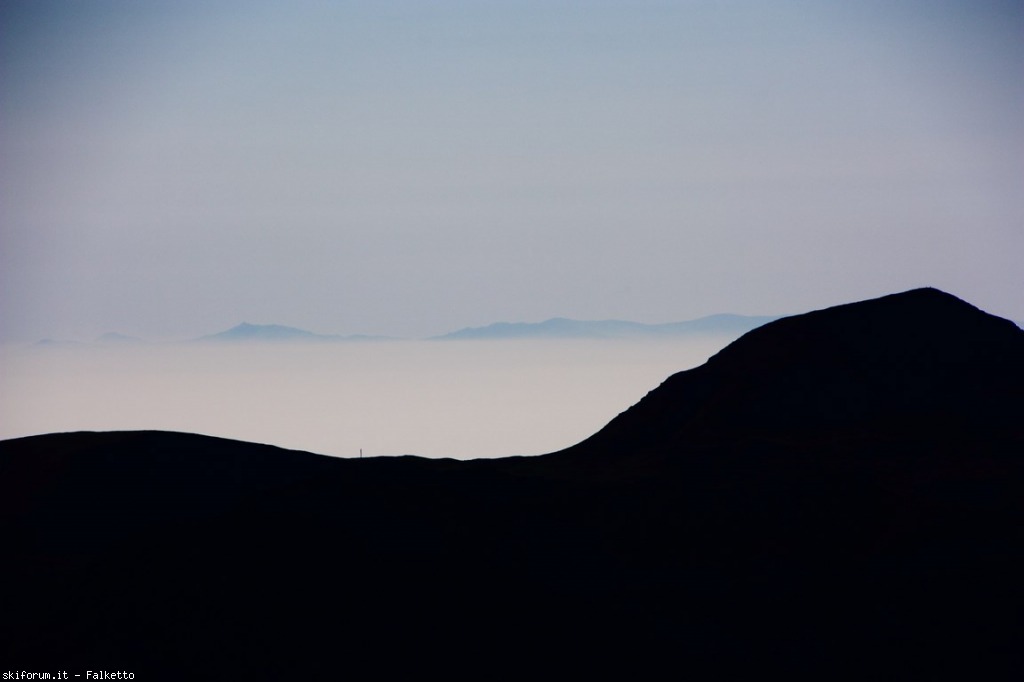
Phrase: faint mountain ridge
(554, 328)
(276, 333)
(263, 332)
(118, 339)
(57, 343)
(106, 339)
(565, 328)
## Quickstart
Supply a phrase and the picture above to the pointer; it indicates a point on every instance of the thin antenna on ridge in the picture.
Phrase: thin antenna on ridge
(360, 453)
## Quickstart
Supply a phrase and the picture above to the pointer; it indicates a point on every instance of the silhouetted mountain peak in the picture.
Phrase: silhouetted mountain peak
(911, 325)
(919, 362)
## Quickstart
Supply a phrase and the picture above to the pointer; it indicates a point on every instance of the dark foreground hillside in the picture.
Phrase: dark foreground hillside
(840, 492)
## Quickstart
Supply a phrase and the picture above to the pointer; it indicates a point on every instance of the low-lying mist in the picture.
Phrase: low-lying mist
(460, 399)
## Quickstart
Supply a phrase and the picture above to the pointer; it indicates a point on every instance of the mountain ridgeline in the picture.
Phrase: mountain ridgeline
(923, 364)
(719, 326)
(838, 493)
(276, 333)
(563, 328)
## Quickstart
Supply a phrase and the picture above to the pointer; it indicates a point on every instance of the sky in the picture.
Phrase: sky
(170, 169)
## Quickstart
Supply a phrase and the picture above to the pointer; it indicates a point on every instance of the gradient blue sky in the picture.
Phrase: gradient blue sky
(172, 168)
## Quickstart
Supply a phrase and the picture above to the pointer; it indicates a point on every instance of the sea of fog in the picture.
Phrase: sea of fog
(460, 399)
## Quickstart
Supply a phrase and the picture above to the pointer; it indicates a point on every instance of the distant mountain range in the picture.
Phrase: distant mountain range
(838, 494)
(562, 328)
(275, 333)
(556, 328)
(108, 339)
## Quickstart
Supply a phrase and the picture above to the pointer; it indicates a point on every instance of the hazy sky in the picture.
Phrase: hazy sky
(170, 169)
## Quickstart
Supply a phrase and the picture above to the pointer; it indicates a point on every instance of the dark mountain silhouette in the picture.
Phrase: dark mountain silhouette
(562, 328)
(835, 494)
(914, 362)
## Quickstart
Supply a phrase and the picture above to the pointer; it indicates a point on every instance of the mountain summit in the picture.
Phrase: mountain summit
(835, 494)
(921, 363)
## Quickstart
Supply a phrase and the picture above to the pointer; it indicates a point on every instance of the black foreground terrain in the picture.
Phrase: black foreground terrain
(837, 493)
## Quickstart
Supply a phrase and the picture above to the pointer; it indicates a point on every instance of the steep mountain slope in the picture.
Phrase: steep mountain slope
(922, 363)
(835, 494)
